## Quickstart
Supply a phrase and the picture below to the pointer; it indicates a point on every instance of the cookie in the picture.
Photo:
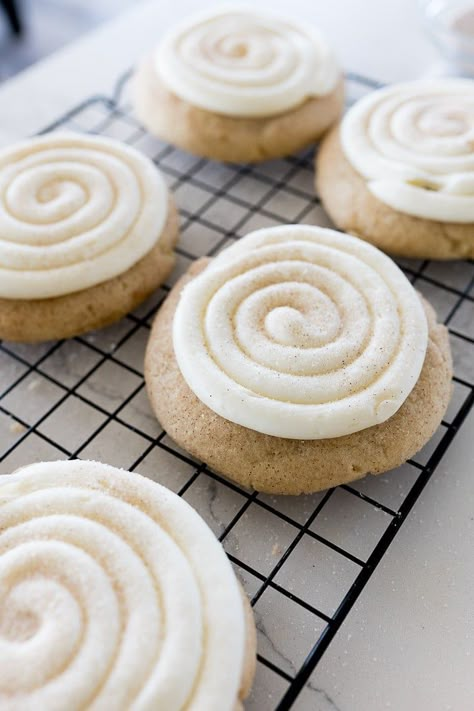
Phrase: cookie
(115, 594)
(312, 363)
(238, 84)
(87, 230)
(399, 170)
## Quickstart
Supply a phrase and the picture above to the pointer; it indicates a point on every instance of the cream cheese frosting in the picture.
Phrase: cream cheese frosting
(414, 145)
(75, 211)
(243, 62)
(301, 332)
(114, 594)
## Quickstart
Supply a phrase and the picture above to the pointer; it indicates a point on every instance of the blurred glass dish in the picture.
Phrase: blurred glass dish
(450, 24)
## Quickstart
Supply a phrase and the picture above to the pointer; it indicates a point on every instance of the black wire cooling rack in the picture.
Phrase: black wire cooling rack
(303, 561)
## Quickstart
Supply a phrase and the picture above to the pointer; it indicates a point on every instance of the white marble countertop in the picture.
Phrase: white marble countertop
(409, 641)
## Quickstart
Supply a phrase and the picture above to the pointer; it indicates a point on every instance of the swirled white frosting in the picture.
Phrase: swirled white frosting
(114, 594)
(414, 145)
(301, 332)
(75, 211)
(246, 63)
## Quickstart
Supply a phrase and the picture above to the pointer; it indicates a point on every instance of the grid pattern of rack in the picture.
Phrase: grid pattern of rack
(303, 561)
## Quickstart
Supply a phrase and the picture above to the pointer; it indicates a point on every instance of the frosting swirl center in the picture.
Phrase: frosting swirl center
(414, 145)
(245, 63)
(104, 598)
(75, 211)
(301, 332)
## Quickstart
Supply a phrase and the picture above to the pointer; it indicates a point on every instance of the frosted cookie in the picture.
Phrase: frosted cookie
(239, 84)
(399, 170)
(298, 359)
(87, 230)
(114, 594)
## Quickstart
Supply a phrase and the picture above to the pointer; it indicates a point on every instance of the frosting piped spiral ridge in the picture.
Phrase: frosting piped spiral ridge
(246, 63)
(75, 211)
(414, 145)
(114, 594)
(301, 332)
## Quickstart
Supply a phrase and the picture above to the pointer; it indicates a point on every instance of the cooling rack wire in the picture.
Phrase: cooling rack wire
(303, 561)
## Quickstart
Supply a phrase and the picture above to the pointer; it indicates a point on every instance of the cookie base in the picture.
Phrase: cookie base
(229, 138)
(30, 321)
(288, 466)
(354, 209)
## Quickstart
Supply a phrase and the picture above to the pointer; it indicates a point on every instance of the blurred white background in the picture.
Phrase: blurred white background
(48, 25)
